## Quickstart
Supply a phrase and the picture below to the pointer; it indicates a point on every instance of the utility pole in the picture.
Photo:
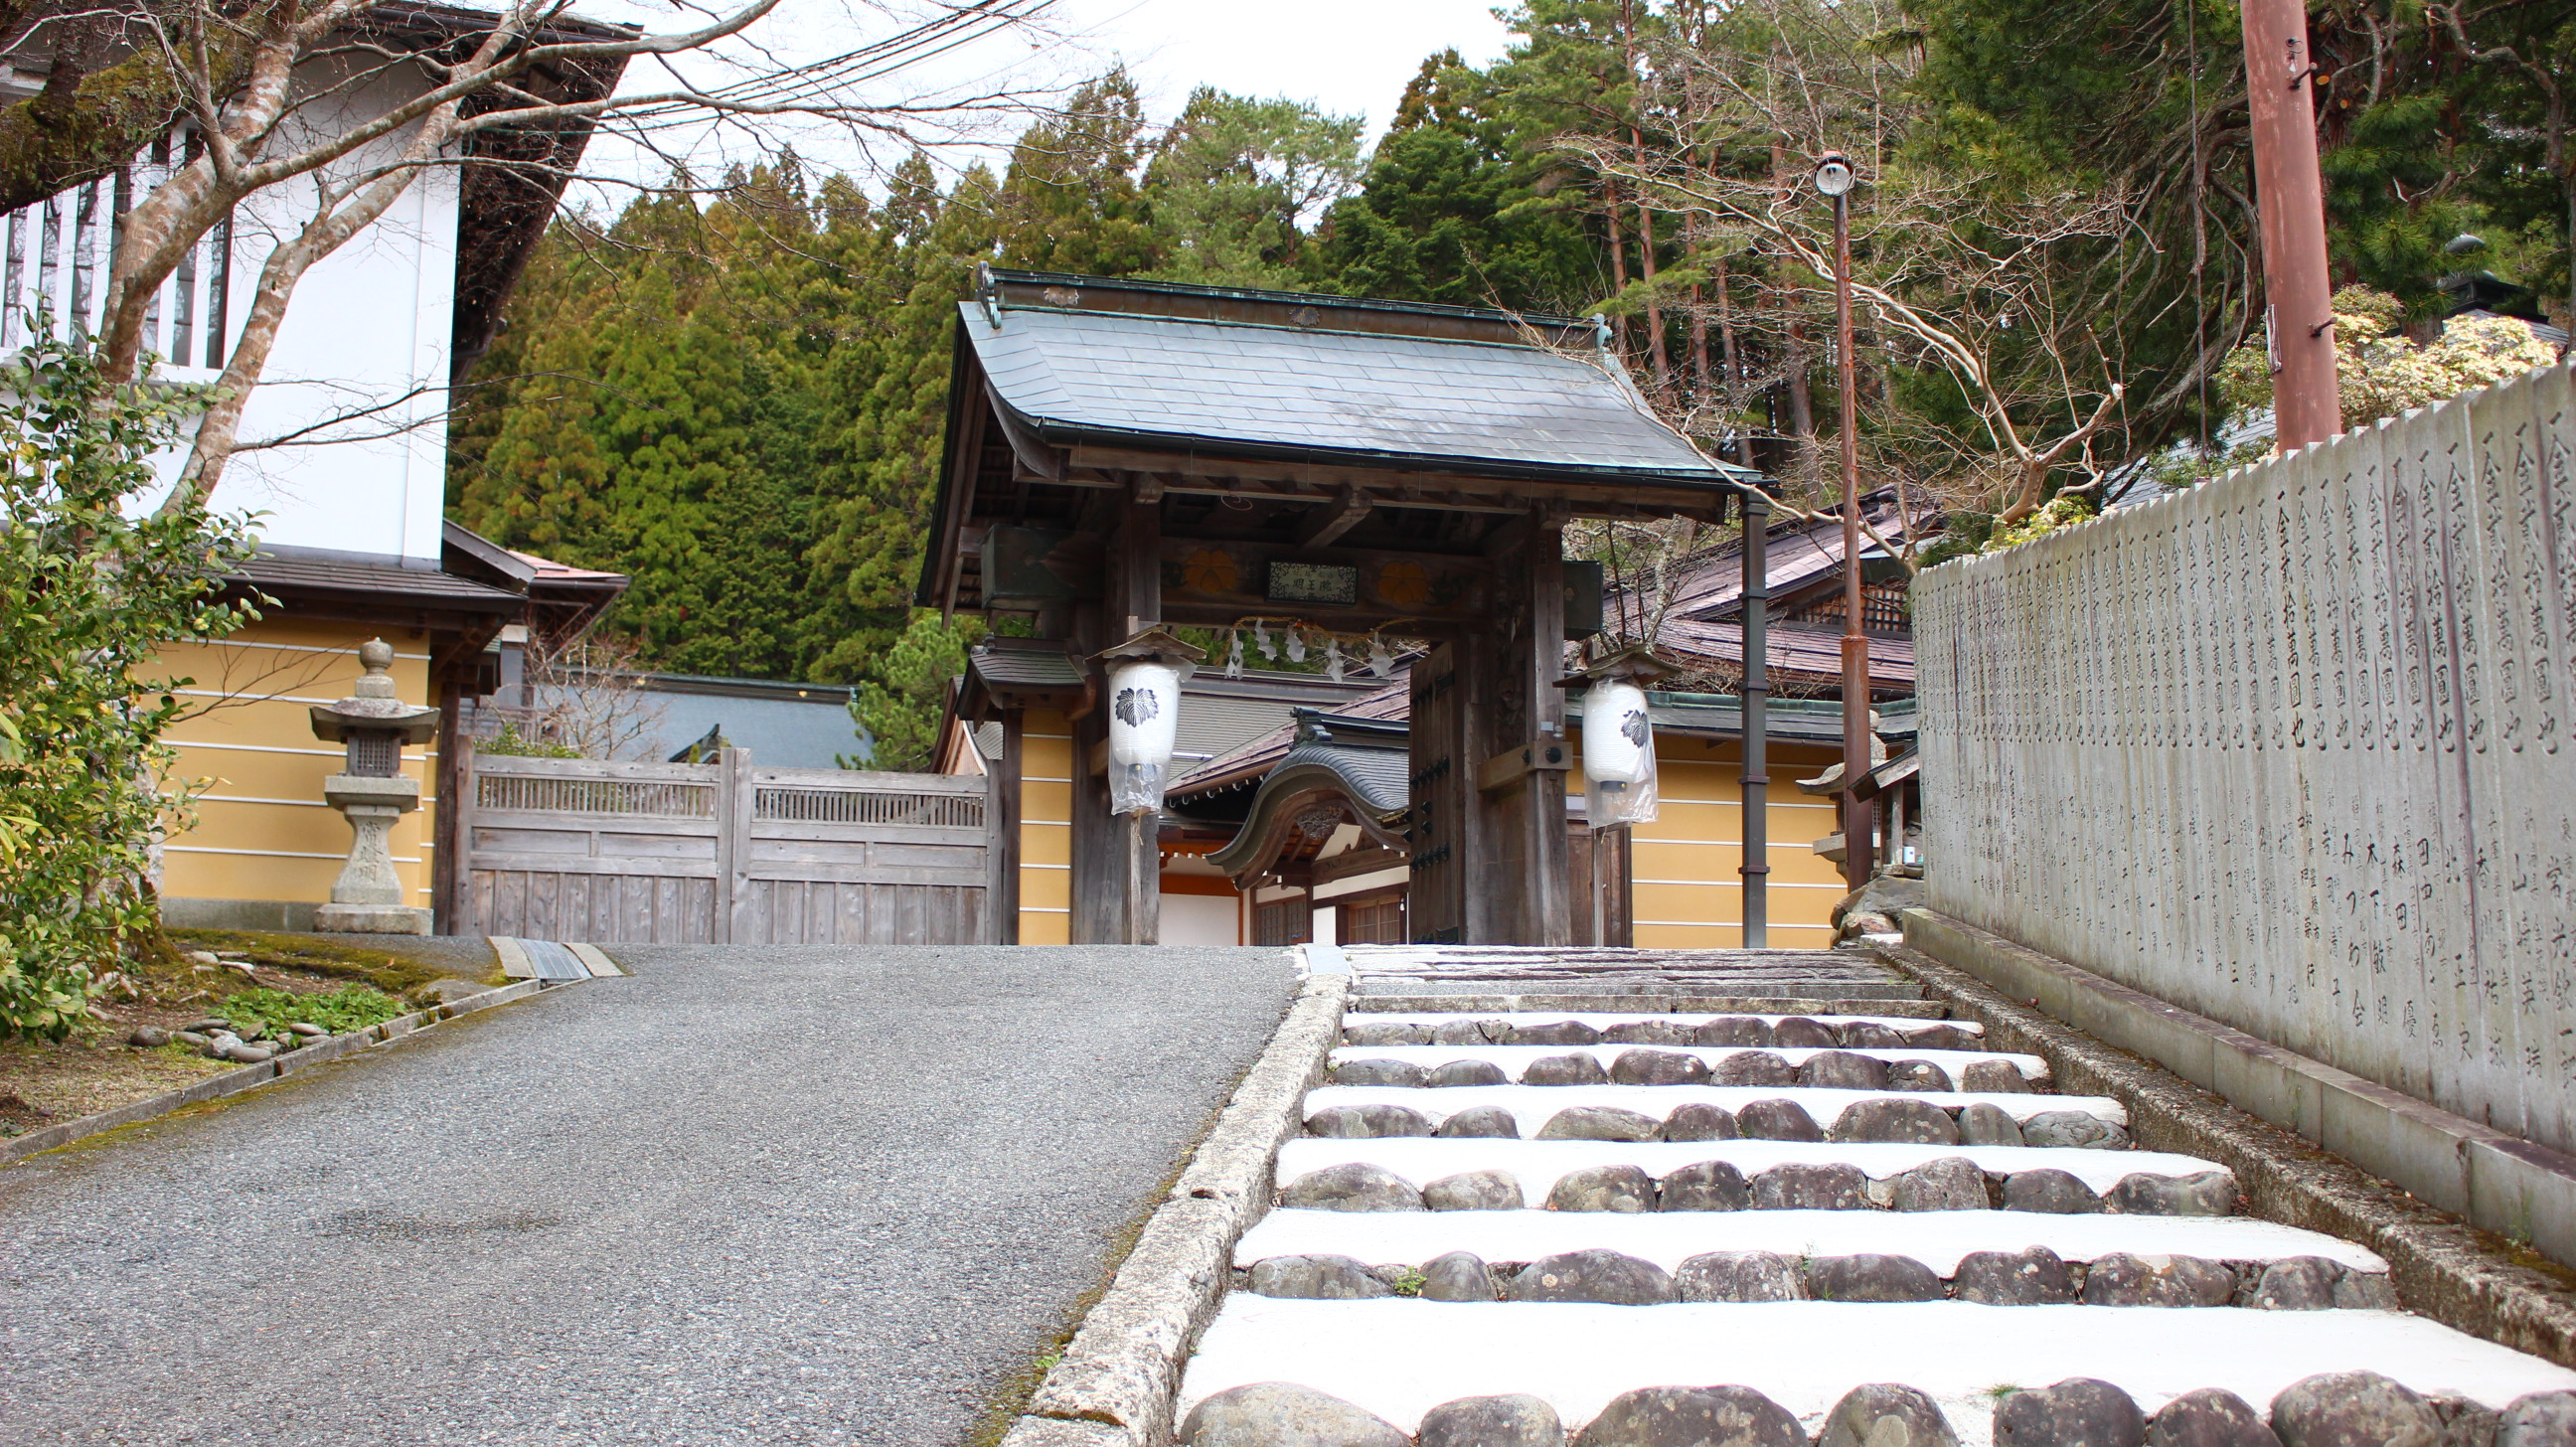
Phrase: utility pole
(2290, 197)
(1756, 778)
(1835, 178)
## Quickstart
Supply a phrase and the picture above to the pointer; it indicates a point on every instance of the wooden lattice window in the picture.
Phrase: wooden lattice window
(1884, 608)
(1373, 920)
(1288, 922)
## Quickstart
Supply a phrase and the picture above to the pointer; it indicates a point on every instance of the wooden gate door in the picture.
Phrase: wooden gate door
(723, 853)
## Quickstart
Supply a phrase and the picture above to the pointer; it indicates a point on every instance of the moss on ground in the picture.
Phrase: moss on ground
(385, 969)
(275, 978)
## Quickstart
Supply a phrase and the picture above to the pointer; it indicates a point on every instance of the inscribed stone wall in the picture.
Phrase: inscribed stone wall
(2292, 749)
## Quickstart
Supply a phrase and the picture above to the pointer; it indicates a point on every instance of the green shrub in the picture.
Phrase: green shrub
(91, 591)
(518, 745)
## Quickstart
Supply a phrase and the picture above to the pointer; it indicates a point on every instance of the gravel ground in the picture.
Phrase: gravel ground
(772, 1195)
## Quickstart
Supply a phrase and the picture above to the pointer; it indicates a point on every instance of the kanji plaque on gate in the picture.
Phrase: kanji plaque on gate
(1313, 583)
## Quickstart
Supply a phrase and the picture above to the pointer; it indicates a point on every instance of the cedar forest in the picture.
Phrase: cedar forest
(734, 393)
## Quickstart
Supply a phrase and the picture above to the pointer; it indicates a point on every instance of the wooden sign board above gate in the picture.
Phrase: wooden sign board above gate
(1218, 583)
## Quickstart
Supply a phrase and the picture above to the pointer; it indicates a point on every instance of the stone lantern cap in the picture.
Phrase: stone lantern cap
(372, 706)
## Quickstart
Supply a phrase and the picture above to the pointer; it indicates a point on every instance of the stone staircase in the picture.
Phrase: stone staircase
(1771, 1198)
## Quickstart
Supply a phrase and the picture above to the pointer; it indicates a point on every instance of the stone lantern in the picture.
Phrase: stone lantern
(372, 793)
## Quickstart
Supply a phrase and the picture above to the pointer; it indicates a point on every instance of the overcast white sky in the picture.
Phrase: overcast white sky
(1346, 55)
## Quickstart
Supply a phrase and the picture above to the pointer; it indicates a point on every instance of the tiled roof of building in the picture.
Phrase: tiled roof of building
(1086, 371)
(294, 571)
(1370, 762)
(1795, 552)
(1037, 665)
(1220, 714)
(1806, 648)
(1247, 762)
(549, 571)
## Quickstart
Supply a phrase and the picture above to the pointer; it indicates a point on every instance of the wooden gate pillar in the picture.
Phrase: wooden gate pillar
(1118, 862)
(1002, 821)
(1522, 755)
(1440, 833)
(1489, 755)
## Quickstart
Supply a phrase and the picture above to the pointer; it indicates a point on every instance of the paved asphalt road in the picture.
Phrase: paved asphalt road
(747, 1195)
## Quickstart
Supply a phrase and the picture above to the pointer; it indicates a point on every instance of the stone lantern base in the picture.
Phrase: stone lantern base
(367, 897)
(371, 919)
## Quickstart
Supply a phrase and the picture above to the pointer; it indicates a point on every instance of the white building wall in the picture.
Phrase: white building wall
(358, 377)
(1200, 919)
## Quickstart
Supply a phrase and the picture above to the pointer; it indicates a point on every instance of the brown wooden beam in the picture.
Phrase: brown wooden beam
(1326, 524)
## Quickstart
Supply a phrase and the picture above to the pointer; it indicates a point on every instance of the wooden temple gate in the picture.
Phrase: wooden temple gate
(1123, 455)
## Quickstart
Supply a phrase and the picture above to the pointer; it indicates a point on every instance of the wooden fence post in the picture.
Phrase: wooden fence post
(735, 797)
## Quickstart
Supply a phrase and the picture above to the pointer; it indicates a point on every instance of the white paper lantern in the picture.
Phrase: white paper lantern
(1618, 754)
(1144, 716)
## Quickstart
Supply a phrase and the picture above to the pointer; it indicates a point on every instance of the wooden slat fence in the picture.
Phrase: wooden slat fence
(723, 853)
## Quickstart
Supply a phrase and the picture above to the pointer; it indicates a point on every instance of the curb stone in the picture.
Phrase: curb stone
(1115, 1385)
(233, 1082)
(2441, 1266)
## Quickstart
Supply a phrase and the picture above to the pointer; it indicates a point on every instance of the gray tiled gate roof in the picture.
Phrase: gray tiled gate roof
(1101, 376)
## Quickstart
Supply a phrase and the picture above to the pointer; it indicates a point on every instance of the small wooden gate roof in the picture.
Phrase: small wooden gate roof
(1368, 383)
(1318, 419)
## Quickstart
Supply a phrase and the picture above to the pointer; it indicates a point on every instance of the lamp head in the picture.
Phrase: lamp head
(1834, 174)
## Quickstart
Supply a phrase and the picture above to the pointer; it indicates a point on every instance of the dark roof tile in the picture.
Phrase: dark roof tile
(1094, 373)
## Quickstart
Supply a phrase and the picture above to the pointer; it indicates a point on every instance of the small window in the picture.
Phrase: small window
(1288, 922)
(1373, 920)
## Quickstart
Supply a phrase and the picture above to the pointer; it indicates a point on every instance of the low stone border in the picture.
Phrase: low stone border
(2442, 1267)
(1115, 1383)
(233, 1082)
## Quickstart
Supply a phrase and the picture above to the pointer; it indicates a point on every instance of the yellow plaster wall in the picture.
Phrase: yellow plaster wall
(1046, 828)
(1688, 894)
(262, 830)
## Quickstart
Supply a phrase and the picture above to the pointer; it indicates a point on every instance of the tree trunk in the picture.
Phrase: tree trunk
(1802, 410)
(1618, 262)
(1734, 363)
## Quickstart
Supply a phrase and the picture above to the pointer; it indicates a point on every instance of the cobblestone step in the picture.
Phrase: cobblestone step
(2002, 1258)
(1567, 1224)
(1683, 1064)
(1709, 1112)
(1712, 1026)
(2063, 1180)
(1400, 1361)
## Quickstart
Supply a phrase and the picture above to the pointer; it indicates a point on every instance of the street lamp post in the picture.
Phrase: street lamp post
(1834, 177)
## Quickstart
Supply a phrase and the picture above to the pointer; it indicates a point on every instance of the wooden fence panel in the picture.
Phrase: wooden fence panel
(577, 849)
(2292, 750)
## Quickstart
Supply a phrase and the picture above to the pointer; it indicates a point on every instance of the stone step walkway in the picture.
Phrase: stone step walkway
(1526, 1210)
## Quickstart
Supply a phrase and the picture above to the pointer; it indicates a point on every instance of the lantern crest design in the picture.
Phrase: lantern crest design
(1144, 691)
(1619, 738)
